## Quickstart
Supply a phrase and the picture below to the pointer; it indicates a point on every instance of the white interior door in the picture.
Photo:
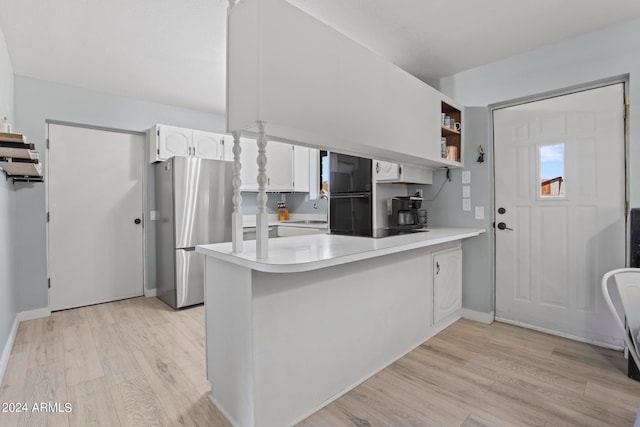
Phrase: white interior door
(95, 196)
(560, 178)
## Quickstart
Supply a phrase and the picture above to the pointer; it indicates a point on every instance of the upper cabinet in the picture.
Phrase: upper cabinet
(169, 141)
(387, 172)
(311, 84)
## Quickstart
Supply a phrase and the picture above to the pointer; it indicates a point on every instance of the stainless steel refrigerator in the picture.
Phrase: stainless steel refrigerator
(194, 204)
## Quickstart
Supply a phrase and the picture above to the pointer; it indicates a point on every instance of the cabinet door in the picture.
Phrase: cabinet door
(248, 159)
(301, 172)
(173, 141)
(385, 171)
(227, 147)
(279, 166)
(207, 145)
(447, 283)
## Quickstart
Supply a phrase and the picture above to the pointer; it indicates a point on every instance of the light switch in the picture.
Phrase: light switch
(479, 212)
(466, 191)
(466, 204)
(466, 177)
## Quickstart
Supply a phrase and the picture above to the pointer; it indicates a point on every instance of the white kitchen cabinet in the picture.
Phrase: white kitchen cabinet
(447, 282)
(411, 174)
(279, 166)
(280, 58)
(169, 141)
(385, 171)
(207, 145)
(302, 168)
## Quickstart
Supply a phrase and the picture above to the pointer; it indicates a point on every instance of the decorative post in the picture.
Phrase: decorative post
(262, 218)
(237, 235)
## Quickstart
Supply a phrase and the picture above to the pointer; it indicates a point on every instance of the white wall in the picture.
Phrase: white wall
(35, 102)
(8, 302)
(601, 55)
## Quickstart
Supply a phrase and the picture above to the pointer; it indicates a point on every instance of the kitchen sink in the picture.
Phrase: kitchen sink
(306, 221)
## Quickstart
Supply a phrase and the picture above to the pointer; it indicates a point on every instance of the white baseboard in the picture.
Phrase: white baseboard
(38, 313)
(149, 293)
(478, 316)
(559, 334)
(8, 346)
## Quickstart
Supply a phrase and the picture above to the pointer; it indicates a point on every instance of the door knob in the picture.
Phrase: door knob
(503, 226)
(137, 221)
(502, 211)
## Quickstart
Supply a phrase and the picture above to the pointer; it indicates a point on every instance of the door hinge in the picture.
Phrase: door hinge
(48, 216)
(158, 132)
(49, 283)
(47, 143)
(626, 208)
(626, 111)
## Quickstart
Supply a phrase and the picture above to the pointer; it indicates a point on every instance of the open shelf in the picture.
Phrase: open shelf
(18, 159)
(451, 138)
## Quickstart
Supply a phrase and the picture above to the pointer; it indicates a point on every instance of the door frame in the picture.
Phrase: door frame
(624, 79)
(145, 161)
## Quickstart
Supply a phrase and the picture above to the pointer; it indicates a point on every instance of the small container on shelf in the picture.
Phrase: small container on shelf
(283, 211)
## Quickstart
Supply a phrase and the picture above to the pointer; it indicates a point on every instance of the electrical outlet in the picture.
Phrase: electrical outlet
(466, 204)
(153, 215)
(466, 191)
(466, 177)
(306, 197)
(479, 212)
(420, 192)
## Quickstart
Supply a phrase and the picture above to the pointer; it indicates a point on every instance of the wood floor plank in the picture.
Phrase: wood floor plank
(81, 358)
(24, 337)
(13, 385)
(137, 404)
(46, 385)
(173, 390)
(189, 358)
(116, 358)
(92, 405)
(47, 344)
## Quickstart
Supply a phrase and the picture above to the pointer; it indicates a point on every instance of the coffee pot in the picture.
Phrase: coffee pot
(403, 211)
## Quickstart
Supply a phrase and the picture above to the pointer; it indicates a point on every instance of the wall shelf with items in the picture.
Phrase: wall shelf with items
(18, 159)
(451, 133)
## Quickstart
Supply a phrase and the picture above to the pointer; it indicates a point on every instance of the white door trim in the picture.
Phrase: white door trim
(624, 79)
(145, 162)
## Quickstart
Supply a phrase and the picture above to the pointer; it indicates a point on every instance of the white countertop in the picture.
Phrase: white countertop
(304, 253)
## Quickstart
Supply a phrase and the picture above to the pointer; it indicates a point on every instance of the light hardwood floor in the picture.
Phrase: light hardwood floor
(138, 363)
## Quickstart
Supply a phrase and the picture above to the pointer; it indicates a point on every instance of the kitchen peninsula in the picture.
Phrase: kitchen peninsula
(288, 334)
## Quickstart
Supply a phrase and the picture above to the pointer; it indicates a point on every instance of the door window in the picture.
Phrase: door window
(551, 171)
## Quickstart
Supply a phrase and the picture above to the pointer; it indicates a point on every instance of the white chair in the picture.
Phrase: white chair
(628, 284)
(627, 281)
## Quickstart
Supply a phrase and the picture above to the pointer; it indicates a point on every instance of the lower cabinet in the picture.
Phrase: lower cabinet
(447, 282)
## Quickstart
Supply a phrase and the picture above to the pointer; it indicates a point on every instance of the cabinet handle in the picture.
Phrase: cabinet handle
(437, 268)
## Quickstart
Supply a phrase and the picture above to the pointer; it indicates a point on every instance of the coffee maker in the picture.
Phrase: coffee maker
(403, 212)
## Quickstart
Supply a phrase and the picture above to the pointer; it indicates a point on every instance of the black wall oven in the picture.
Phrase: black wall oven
(350, 206)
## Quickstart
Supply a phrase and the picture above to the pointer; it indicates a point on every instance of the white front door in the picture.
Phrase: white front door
(560, 222)
(95, 196)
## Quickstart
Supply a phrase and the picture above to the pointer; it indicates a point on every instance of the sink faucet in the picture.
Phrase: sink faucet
(323, 195)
